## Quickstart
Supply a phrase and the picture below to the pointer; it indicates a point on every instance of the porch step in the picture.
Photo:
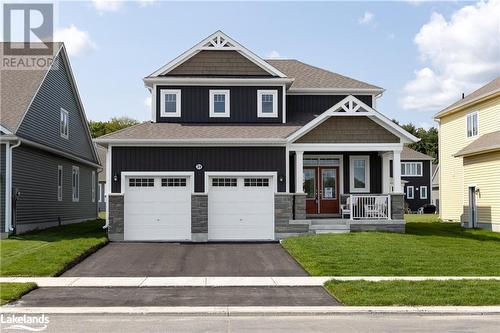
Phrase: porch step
(329, 226)
(344, 231)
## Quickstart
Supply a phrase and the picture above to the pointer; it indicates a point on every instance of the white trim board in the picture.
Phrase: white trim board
(272, 174)
(222, 42)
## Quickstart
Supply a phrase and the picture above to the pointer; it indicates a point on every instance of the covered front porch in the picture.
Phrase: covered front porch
(349, 181)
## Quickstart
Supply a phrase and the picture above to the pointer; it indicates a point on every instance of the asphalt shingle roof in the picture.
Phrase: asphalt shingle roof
(486, 142)
(308, 77)
(410, 154)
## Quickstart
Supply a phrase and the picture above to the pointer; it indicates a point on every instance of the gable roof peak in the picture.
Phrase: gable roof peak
(221, 42)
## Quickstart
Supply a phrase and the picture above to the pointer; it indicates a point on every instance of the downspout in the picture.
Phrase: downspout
(108, 184)
(8, 193)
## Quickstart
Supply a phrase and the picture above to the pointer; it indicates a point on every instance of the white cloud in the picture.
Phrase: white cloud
(460, 55)
(366, 19)
(78, 43)
(107, 5)
(147, 102)
(145, 3)
(425, 125)
(274, 55)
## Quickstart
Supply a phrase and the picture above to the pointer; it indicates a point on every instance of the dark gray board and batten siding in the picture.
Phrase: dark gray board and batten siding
(271, 159)
(195, 104)
(35, 176)
(416, 182)
(42, 120)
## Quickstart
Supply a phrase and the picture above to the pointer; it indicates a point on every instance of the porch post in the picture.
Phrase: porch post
(386, 173)
(396, 171)
(299, 172)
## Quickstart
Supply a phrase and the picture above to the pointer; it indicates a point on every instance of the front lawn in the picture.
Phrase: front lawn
(50, 252)
(465, 292)
(12, 291)
(426, 249)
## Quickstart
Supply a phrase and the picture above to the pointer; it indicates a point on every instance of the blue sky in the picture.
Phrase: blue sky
(114, 45)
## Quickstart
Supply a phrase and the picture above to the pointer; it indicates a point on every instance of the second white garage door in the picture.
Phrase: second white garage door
(240, 208)
(157, 208)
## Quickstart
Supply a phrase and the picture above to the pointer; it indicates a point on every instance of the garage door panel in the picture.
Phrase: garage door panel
(241, 212)
(157, 212)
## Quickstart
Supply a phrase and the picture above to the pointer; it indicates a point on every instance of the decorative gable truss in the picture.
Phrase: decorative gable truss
(220, 42)
(351, 106)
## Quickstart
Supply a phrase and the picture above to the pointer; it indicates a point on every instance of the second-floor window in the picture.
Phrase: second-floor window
(267, 103)
(64, 125)
(219, 103)
(170, 103)
(411, 169)
(472, 125)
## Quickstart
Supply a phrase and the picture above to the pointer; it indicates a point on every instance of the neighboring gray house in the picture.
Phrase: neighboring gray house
(435, 186)
(48, 161)
(101, 190)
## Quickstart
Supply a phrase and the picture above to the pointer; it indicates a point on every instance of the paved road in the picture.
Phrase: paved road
(302, 324)
(170, 259)
(177, 296)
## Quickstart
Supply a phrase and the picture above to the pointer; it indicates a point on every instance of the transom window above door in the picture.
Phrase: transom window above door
(219, 103)
(170, 100)
(267, 103)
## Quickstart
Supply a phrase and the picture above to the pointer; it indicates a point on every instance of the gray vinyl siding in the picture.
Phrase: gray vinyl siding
(35, 176)
(243, 104)
(42, 120)
(185, 159)
(2, 187)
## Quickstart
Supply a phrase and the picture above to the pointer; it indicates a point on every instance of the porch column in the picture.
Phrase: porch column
(386, 173)
(396, 171)
(299, 172)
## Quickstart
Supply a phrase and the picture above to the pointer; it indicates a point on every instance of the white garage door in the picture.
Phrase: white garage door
(157, 208)
(240, 208)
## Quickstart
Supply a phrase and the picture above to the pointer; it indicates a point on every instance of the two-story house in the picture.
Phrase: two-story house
(48, 163)
(469, 159)
(241, 148)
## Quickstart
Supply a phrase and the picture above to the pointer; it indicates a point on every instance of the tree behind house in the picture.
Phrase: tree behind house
(98, 128)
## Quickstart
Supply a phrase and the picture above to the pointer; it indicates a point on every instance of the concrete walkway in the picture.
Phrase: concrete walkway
(260, 310)
(225, 281)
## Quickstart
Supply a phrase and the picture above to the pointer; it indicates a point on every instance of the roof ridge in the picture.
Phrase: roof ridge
(123, 129)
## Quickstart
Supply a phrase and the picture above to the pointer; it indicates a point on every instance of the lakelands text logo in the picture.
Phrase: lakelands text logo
(32, 323)
(28, 30)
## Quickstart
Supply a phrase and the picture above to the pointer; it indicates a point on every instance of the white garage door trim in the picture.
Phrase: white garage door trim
(185, 225)
(240, 175)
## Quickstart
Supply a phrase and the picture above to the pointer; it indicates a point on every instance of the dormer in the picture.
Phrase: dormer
(218, 81)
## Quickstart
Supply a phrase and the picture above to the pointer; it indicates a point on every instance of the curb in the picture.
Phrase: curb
(262, 310)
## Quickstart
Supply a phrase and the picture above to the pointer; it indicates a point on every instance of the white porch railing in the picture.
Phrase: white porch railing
(369, 207)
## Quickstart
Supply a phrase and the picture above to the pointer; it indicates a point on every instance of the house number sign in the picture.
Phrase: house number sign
(198, 166)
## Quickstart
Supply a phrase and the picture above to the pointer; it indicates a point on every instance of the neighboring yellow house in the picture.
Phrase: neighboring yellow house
(469, 159)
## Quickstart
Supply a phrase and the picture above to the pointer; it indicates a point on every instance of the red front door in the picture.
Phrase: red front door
(321, 187)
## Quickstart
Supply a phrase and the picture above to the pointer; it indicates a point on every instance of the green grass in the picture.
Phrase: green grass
(366, 293)
(102, 215)
(423, 218)
(12, 291)
(426, 249)
(50, 252)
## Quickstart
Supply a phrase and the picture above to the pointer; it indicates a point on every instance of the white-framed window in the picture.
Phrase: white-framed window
(359, 174)
(256, 182)
(93, 186)
(472, 125)
(141, 182)
(173, 182)
(170, 103)
(219, 104)
(423, 192)
(224, 182)
(75, 183)
(99, 194)
(267, 103)
(59, 182)
(64, 125)
(411, 169)
(410, 192)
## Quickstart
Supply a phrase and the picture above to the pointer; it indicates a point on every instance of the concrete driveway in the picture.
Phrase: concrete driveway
(167, 259)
